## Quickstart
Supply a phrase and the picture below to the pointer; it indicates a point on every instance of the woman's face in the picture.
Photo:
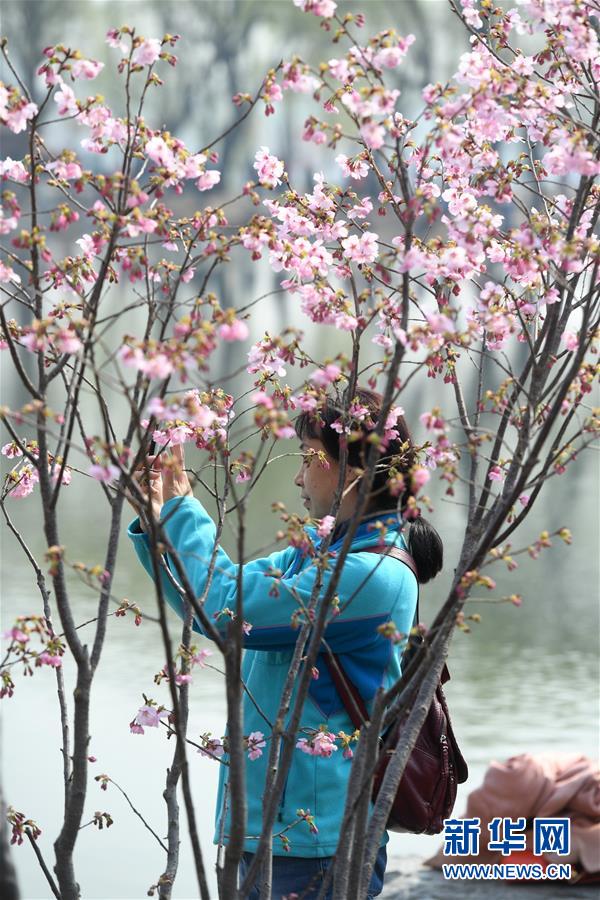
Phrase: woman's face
(318, 478)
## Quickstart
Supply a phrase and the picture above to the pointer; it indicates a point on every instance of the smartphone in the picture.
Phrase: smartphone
(155, 449)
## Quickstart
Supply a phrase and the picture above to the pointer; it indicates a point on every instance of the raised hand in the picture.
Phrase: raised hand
(156, 489)
(175, 482)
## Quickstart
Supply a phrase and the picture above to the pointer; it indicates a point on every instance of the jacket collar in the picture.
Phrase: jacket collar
(366, 533)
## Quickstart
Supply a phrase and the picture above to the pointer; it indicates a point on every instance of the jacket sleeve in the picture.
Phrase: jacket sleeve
(270, 594)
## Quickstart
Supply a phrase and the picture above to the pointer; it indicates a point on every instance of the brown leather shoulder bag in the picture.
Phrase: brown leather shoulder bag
(427, 791)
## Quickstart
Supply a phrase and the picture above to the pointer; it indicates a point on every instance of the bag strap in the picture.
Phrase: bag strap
(348, 692)
(397, 552)
(405, 557)
(350, 697)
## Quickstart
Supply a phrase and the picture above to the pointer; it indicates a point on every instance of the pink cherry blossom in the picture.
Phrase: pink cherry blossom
(459, 201)
(440, 324)
(103, 473)
(234, 331)
(17, 116)
(199, 659)
(359, 413)
(147, 52)
(306, 402)
(13, 169)
(8, 274)
(135, 728)
(49, 659)
(471, 14)
(269, 168)
(263, 358)
(345, 322)
(361, 249)
(390, 432)
(11, 450)
(193, 166)
(496, 252)
(113, 39)
(55, 472)
(159, 152)
(340, 69)
(15, 634)
(327, 375)
(496, 474)
(213, 747)
(33, 341)
(297, 80)
(256, 742)
(433, 422)
(322, 744)
(50, 76)
(67, 341)
(284, 432)
(115, 130)
(352, 168)
(202, 416)
(27, 477)
(93, 146)
(373, 134)
(420, 477)
(570, 340)
(391, 57)
(524, 65)
(66, 101)
(361, 209)
(261, 398)
(208, 180)
(325, 526)
(180, 434)
(141, 225)
(67, 171)
(324, 8)
(86, 68)
(188, 275)
(569, 156)
(87, 244)
(150, 716)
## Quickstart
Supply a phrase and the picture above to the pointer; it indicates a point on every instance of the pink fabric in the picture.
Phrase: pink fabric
(544, 784)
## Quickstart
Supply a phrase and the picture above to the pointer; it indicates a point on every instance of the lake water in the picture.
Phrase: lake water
(525, 680)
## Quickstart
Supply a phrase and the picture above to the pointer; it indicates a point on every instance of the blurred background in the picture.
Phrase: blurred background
(524, 680)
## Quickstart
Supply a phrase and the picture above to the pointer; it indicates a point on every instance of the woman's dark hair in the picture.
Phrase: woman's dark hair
(398, 458)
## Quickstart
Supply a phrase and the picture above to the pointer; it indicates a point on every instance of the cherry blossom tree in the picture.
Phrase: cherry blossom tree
(458, 246)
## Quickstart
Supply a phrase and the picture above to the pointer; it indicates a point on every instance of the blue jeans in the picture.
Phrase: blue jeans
(303, 876)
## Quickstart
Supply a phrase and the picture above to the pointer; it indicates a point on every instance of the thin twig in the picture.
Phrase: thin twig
(138, 813)
(43, 865)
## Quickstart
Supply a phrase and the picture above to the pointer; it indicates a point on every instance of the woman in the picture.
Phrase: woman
(380, 590)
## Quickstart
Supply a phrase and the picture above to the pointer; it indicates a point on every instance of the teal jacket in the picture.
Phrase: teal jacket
(380, 589)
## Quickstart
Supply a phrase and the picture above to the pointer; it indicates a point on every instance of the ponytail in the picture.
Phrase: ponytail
(426, 548)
